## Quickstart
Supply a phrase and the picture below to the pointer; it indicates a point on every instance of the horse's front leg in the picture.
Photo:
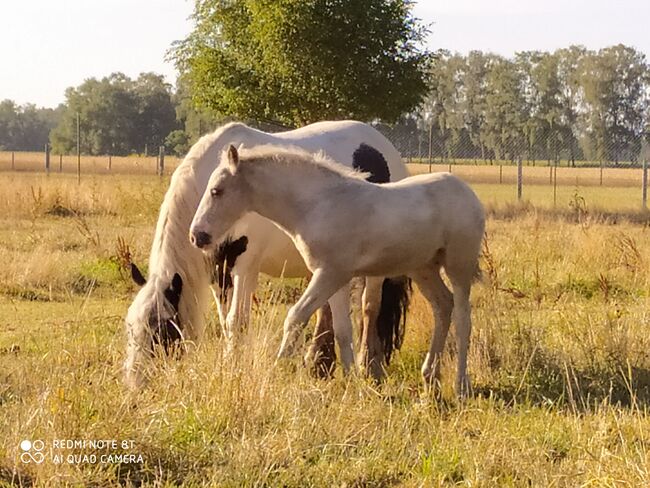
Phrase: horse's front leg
(322, 286)
(244, 285)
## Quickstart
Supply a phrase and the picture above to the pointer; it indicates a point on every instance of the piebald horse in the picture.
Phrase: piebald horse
(414, 227)
(170, 307)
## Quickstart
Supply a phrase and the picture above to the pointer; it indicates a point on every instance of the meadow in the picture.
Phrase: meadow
(559, 356)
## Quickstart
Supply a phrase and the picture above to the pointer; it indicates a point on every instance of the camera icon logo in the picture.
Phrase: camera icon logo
(32, 451)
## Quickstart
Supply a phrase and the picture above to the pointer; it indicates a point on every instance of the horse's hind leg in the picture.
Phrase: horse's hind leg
(371, 352)
(463, 323)
(321, 355)
(342, 323)
(442, 302)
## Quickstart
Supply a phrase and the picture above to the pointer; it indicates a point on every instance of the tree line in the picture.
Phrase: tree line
(309, 60)
(573, 103)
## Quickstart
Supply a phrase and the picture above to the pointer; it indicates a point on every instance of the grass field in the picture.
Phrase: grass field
(559, 358)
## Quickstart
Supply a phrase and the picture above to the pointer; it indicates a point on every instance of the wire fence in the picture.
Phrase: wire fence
(520, 176)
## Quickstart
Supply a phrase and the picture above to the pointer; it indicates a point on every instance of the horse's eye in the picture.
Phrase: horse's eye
(216, 192)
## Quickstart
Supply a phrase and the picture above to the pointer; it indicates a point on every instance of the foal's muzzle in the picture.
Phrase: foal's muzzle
(200, 239)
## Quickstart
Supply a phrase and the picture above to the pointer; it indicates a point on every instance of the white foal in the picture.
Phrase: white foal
(344, 226)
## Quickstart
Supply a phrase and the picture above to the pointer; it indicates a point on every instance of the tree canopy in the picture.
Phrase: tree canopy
(300, 61)
(26, 128)
(117, 115)
(584, 104)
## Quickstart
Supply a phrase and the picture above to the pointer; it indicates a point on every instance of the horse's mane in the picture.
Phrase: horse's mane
(171, 248)
(292, 155)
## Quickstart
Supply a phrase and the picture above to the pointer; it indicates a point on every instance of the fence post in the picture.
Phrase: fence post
(644, 189)
(110, 162)
(60, 163)
(601, 172)
(520, 178)
(500, 173)
(78, 150)
(47, 159)
(555, 185)
(161, 161)
(430, 145)
(13, 161)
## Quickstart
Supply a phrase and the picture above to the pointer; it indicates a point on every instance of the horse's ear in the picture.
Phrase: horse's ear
(233, 158)
(136, 275)
(177, 283)
(173, 293)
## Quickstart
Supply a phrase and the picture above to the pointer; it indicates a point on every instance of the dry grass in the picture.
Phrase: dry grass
(35, 162)
(559, 361)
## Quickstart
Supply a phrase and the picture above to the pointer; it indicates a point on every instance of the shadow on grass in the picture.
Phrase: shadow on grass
(564, 385)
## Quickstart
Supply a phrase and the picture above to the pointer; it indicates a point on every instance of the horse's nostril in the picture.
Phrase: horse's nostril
(201, 239)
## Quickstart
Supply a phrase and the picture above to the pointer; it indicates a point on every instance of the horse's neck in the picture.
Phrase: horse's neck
(282, 196)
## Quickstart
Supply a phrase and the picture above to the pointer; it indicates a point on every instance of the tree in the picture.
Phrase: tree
(25, 128)
(156, 117)
(505, 111)
(615, 82)
(117, 115)
(299, 61)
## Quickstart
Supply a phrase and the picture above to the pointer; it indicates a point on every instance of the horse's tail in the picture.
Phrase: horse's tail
(391, 321)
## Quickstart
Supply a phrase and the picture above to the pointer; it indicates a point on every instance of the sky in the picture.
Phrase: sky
(47, 46)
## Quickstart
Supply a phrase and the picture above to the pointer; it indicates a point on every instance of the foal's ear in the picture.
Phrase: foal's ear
(233, 158)
(136, 275)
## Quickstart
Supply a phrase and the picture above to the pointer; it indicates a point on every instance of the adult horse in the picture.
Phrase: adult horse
(172, 302)
(414, 227)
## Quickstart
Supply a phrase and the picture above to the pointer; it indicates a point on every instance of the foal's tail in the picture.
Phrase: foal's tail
(391, 321)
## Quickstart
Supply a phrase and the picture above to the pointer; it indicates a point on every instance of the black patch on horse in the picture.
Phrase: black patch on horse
(167, 333)
(225, 257)
(368, 160)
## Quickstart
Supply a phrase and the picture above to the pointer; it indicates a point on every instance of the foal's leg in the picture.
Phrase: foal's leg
(442, 302)
(322, 286)
(321, 355)
(371, 354)
(340, 303)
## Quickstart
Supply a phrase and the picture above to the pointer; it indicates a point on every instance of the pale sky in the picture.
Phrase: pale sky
(48, 45)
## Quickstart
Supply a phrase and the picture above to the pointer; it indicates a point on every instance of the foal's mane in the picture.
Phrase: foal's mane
(292, 156)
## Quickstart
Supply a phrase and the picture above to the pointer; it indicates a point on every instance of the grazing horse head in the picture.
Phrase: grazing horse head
(152, 322)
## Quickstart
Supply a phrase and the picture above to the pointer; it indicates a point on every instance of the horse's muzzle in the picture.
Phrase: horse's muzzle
(200, 239)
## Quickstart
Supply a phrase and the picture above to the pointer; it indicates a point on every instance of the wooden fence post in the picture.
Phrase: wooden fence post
(47, 159)
(161, 161)
(555, 185)
(60, 163)
(78, 150)
(520, 178)
(644, 187)
(13, 161)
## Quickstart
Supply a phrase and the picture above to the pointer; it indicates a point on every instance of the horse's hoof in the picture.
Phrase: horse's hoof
(464, 388)
(319, 365)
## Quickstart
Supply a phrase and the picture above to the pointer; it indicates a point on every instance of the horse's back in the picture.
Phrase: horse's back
(340, 139)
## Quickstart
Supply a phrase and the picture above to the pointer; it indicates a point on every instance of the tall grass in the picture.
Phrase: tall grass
(558, 359)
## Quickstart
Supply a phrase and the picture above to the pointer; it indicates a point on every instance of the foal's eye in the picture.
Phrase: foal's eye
(216, 192)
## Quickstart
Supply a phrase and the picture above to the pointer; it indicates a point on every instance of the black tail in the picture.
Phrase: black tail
(391, 321)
